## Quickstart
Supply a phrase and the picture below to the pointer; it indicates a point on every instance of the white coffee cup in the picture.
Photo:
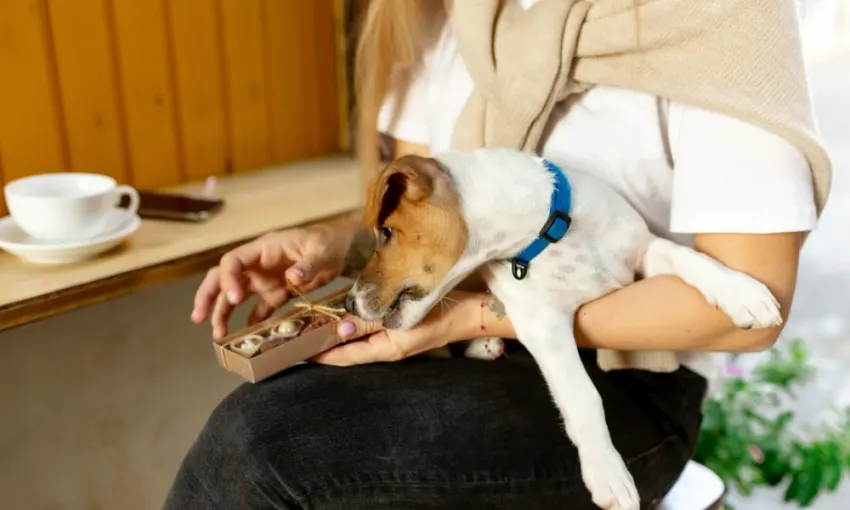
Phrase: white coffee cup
(68, 206)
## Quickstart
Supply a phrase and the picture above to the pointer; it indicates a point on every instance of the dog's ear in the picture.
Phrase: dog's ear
(408, 177)
(413, 175)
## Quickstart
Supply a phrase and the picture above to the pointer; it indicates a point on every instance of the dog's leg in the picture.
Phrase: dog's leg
(488, 348)
(548, 336)
(747, 301)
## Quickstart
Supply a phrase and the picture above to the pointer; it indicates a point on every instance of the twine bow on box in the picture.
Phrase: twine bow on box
(311, 307)
(249, 345)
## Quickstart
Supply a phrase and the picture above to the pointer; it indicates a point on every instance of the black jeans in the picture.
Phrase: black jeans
(429, 433)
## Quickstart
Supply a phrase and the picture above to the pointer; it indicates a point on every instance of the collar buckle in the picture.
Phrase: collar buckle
(548, 231)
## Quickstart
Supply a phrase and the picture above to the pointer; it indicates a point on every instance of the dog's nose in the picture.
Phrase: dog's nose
(349, 304)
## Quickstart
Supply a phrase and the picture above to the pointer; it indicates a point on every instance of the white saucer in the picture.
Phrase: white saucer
(19, 243)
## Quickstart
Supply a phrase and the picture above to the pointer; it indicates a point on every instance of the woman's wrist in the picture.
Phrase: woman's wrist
(350, 239)
(361, 247)
(350, 220)
(461, 313)
(477, 314)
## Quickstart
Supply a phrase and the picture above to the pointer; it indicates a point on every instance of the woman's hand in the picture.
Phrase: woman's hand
(453, 321)
(308, 258)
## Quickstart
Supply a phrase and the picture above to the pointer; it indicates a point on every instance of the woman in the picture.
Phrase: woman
(458, 433)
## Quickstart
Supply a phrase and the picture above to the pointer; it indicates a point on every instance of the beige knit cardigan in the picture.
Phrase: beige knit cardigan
(742, 58)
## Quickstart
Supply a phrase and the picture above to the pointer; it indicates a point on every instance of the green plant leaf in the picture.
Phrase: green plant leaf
(713, 416)
(793, 489)
(785, 369)
(799, 351)
(758, 419)
(811, 477)
(782, 422)
(831, 466)
(773, 468)
(745, 488)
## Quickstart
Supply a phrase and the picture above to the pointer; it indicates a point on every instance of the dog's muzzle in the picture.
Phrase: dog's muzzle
(350, 304)
(361, 302)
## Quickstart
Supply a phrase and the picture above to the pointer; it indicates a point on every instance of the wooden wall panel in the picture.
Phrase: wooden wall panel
(148, 92)
(85, 62)
(31, 128)
(302, 35)
(345, 40)
(196, 34)
(158, 92)
(246, 83)
(326, 71)
(3, 210)
(294, 135)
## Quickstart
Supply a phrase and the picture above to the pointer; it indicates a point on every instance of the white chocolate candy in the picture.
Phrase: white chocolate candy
(248, 345)
(288, 328)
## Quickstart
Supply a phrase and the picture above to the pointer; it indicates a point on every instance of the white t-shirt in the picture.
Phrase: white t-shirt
(685, 169)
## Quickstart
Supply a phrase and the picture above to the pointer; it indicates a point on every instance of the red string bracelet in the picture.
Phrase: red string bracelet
(483, 304)
(484, 328)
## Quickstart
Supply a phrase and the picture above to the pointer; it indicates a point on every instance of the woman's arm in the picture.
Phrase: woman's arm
(664, 313)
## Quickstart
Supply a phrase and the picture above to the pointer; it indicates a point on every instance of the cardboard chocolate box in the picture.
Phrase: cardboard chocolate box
(273, 345)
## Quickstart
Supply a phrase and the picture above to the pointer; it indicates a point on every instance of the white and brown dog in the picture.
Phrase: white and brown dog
(440, 219)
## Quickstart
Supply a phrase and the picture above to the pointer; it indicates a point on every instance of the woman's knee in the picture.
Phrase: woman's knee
(230, 465)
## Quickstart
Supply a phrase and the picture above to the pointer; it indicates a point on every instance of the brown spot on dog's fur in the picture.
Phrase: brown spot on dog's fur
(414, 202)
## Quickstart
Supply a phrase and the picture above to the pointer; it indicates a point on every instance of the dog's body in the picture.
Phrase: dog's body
(441, 219)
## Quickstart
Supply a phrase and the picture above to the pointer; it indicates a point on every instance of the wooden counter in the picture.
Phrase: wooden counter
(162, 251)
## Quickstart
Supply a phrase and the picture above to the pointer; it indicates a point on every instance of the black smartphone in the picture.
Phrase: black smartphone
(167, 206)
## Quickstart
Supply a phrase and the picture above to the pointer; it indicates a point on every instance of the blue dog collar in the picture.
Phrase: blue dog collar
(555, 227)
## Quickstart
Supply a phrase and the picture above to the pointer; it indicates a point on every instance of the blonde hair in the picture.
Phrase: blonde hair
(387, 41)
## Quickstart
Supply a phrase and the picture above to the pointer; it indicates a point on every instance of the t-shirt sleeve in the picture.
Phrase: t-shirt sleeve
(404, 113)
(730, 176)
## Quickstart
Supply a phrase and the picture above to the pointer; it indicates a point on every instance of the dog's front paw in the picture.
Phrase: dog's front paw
(747, 301)
(485, 348)
(610, 484)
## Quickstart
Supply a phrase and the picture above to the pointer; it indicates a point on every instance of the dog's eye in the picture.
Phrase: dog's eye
(385, 233)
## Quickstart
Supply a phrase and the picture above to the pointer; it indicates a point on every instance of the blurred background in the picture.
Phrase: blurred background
(103, 423)
(821, 314)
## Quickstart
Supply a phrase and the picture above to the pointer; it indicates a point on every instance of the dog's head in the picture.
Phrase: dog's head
(414, 210)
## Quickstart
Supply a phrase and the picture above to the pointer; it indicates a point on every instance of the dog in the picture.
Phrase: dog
(440, 219)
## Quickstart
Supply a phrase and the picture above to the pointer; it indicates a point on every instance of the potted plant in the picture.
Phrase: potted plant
(749, 436)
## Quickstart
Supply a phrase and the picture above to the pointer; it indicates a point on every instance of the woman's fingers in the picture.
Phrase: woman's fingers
(351, 327)
(271, 292)
(206, 295)
(307, 272)
(268, 286)
(384, 346)
(261, 267)
(378, 347)
(240, 272)
(232, 269)
(220, 315)
(261, 311)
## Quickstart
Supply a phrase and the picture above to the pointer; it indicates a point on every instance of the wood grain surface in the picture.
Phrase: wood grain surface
(162, 251)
